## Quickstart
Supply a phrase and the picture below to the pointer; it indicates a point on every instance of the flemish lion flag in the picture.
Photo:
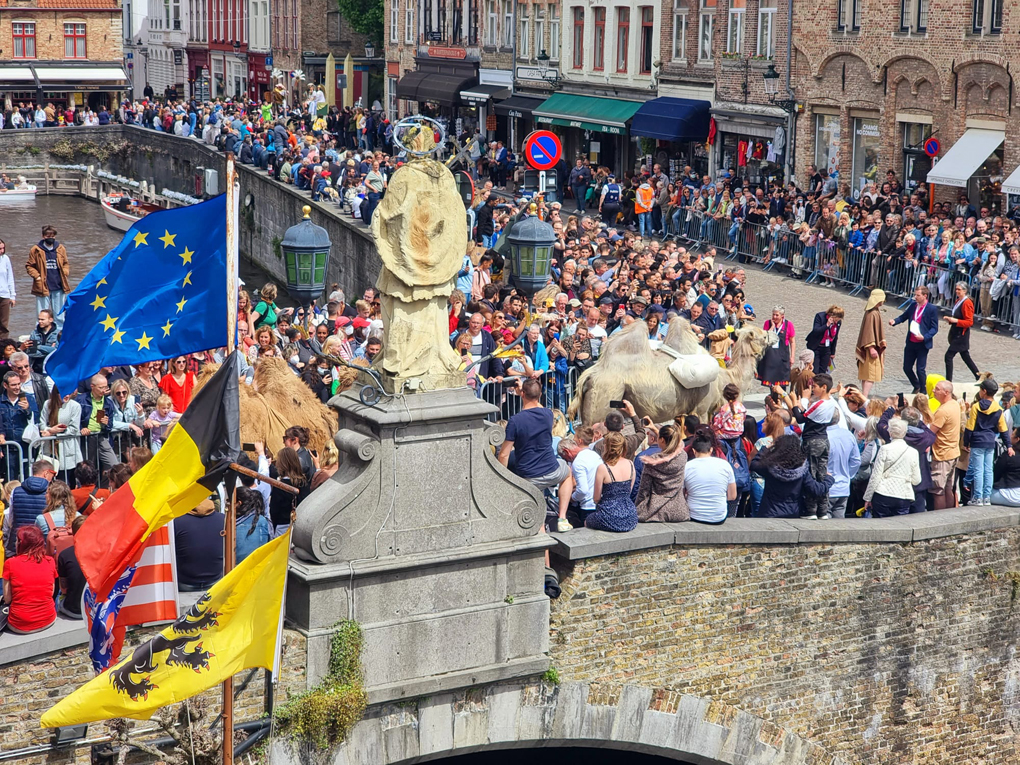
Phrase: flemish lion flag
(233, 627)
(185, 471)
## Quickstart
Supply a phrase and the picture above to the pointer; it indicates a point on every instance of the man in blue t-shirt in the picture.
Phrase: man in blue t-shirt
(529, 436)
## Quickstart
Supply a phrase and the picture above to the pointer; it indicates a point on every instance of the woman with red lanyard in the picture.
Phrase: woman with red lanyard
(960, 320)
(774, 366)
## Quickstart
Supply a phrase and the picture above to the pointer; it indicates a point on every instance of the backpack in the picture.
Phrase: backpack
(59, 538)
(737, 457)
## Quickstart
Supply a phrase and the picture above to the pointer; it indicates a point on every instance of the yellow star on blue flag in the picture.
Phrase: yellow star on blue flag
(143, 286)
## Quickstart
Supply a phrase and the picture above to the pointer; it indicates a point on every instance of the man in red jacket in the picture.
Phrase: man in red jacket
(960, 320)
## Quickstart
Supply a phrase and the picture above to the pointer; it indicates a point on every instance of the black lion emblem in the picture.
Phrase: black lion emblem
(179, 652)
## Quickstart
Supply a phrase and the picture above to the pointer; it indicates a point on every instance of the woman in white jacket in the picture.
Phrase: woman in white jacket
(893, 476)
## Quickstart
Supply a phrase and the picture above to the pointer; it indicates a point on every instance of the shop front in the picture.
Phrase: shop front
(674, 131)
(753, 144)
(95, 85)
(974, 164)
(516, 119)
(493, 86)
(436, 85)
(597, 128)
(258, 76)
(198, 74)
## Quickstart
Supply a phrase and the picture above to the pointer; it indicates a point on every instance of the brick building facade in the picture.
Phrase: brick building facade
(874, 85)
(61, 52)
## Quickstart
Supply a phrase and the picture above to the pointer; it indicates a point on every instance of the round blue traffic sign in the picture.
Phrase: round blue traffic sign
(542, 150)
(932, 147)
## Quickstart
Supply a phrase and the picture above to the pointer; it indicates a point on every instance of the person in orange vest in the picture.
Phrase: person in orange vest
(643, 208)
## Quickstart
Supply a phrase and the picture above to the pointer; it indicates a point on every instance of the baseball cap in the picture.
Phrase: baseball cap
(360, 323)
(606, 300)
(639, 299)
(343, 321)
(574, 302)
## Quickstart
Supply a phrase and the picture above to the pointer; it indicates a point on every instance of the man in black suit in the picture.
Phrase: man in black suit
(923, 318)
(823, 336)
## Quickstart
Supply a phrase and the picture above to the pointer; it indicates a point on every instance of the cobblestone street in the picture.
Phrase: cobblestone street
(996, 353)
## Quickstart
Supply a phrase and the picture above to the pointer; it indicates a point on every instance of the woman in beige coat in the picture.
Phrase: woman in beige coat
(660, 497)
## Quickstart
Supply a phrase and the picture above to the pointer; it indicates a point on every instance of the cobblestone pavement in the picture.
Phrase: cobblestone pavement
(996, 353)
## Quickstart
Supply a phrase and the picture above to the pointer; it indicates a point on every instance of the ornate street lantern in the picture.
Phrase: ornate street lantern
(306, 255)
(531, 243)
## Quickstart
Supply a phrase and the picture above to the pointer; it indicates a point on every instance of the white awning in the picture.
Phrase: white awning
(1012, 184)
(966, 156)
(79, 74)
(16, 74)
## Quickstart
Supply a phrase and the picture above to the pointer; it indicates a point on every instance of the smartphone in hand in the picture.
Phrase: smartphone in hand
(616, 404)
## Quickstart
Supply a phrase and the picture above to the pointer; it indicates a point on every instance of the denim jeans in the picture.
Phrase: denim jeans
(645, 224)
(981, 461)
(53, 302)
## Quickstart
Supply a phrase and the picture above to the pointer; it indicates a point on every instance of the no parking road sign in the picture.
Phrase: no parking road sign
(932, 147)
(542, 150)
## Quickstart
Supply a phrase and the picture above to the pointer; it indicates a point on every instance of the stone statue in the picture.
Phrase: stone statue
(420, 229)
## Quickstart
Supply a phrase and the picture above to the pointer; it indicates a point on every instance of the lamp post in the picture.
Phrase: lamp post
(369, 49)
(237, 47)
(771, 77)
(531, 242)
(306, 249)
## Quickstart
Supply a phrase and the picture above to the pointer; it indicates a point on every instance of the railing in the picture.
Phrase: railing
(557, 392)
(68, 451)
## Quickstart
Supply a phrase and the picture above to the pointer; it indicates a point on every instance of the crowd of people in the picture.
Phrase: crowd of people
(648, 250)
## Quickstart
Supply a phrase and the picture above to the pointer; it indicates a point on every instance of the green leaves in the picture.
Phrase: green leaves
(366, 17)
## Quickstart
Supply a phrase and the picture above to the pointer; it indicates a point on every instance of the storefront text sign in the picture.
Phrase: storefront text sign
(437, 51)
(536, 73)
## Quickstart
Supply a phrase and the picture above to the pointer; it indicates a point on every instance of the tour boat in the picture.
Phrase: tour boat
(22, 193)
(122, 212)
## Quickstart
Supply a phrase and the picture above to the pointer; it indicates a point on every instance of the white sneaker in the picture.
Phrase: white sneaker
(975, 502)
(987, 501)
(563, 525)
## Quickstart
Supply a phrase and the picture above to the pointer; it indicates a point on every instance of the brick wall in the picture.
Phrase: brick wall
(102, 32)
(947, 76)
(28, 689)
(879, 652)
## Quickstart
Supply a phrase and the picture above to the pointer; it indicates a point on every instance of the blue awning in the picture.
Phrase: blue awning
(672, 119)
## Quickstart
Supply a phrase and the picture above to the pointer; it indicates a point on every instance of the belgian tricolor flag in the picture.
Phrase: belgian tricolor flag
(186, 470)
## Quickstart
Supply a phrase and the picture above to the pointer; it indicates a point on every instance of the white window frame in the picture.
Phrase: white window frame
(409, 22)
(735, 29)
(554, 31)
(540, 30)
(987, 17)
(508, 24)
(766, 31)
(679, 31)
(394, 20)
(524, 40)
(706, 24)
(848, 15)
(491, 23)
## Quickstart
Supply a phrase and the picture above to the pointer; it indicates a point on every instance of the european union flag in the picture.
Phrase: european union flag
(160, 293)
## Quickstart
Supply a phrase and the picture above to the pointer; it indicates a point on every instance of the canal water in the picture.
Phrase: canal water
(81, 228)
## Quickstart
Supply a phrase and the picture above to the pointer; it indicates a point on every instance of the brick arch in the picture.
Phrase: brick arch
(834, 60)
(983, 89)
(915, 71)
(913, 95)
(526, 715)
(859, 81)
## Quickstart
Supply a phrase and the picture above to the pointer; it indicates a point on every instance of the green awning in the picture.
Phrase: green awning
(601, 115)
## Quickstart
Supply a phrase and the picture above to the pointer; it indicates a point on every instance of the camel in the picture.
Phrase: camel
(629, 369)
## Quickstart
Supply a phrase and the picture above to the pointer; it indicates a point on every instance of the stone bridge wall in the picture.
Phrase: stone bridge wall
(881, 641)
(168, 161)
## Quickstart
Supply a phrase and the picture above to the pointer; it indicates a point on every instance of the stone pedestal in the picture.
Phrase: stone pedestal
(429, 543)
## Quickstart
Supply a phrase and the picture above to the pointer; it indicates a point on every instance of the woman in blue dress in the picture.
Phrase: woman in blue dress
(614, 479)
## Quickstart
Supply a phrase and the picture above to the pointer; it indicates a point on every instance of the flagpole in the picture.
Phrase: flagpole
(229, 545)
(233, 211)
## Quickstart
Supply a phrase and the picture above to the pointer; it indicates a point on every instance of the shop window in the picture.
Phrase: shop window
(508, 24)
(647, 30)
(491, 23)
(848, 15)
(735, 29)
(706, 28)
(24, 39)
(578, 38)
(554, 31)
(622, 38)
(679, 31)
(599, 43)
(391, 100)
(827, 142)
(523, 41)
(767, 28)
(74, 41)
(988, 17)
(914, 16)
(866, 145)
(409, 22)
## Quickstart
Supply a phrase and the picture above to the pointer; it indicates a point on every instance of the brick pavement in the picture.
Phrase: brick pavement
(999, 354)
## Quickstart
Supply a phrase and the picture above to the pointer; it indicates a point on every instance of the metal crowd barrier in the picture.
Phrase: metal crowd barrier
(13, 461)
(557, 393)
(57, 448)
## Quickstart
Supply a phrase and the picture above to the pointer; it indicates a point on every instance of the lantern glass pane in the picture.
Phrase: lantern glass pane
(526, 258)
(304, 260)
(289, 259)
(320, 267)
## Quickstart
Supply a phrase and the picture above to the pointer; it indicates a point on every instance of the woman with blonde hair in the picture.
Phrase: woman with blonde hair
(329, 463)
(660, 496)
(614, 479)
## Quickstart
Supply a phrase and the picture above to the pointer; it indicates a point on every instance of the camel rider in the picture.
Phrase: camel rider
(609, 202)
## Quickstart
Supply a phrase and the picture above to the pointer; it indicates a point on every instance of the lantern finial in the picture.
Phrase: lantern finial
(307, 211)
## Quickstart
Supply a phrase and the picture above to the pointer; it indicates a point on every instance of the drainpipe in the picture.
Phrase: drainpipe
(791, 117)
